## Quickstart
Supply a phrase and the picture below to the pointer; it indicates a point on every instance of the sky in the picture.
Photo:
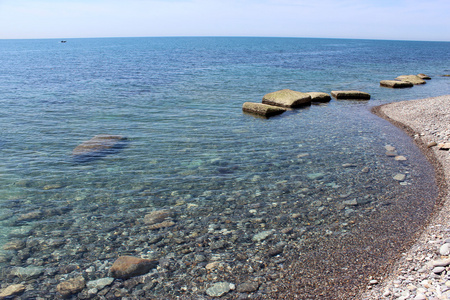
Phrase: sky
(425, 20)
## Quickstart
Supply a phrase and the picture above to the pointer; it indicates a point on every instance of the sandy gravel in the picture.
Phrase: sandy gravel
(416, 275)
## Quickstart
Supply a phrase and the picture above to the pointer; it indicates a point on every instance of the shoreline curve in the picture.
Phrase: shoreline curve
(412, 276)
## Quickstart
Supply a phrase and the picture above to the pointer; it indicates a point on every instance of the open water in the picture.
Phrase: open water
(226, 176)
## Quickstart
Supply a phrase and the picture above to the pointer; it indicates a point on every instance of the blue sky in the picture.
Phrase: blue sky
(370, 19)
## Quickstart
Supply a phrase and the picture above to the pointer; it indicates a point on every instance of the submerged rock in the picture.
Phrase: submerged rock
(27, 273)
(219, 289)
(129, 266)
(319, 97)
(98, 146)
(247, 287)
(157, 216)
(396, 84)
(354, 95)
(399, 177)
(414, 79)
(264, 110)
(262, 235)
(315, 176)
(287, 98)
(100, 283)
(11, 290)
(71, 286)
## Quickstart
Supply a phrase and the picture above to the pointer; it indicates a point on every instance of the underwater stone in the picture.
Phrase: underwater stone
(157, 216)
(219, 289)
(129, 266)
(315, 176)
(262, 235)
(100, 283)
(11, 290)
(98, 146)
(71, 286)
(247, 287)
(28, 272)
(399, 177)
(400, 158)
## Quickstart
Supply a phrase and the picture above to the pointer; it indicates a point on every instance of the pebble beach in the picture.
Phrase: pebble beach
(423, 271)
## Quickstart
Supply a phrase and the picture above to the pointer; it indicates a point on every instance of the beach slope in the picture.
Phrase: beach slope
(423, 272)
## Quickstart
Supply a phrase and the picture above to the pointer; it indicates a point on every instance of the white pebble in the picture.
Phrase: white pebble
(445, 249)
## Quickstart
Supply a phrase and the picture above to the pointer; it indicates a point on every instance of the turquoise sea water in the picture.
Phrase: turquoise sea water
(191, 149)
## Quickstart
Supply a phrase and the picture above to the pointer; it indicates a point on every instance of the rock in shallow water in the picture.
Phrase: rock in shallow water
(414, 79)
(157, 216)
(319, 97)
(248, 287)
(399, 177)
(98, 146)
(219, 289)
(28, 272)
(315, 176)
(287, 98)
(395, 83)
(71, 286)
(262, 235)
(264, 110)
(129, 266)
(356, 95)
(99, 283)
(11, 290)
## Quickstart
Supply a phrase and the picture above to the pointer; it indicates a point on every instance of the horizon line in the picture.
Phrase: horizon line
(227, 36)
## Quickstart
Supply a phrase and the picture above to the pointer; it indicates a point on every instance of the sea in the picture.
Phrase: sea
(302, 205)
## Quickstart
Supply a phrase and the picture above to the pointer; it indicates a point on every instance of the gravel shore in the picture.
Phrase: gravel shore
(423, 272)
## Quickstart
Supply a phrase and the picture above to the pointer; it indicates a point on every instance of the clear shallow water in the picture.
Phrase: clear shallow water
(191, 149)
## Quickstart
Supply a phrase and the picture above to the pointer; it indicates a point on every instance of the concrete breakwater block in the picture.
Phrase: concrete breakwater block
(354, 95)
(423, 76)
(287, 98)
(264, 110)
(414, 79)
(396, 84)
(319, 97)
(98, 146)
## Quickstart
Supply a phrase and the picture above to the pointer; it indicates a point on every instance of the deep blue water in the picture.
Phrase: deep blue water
(190, 147)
